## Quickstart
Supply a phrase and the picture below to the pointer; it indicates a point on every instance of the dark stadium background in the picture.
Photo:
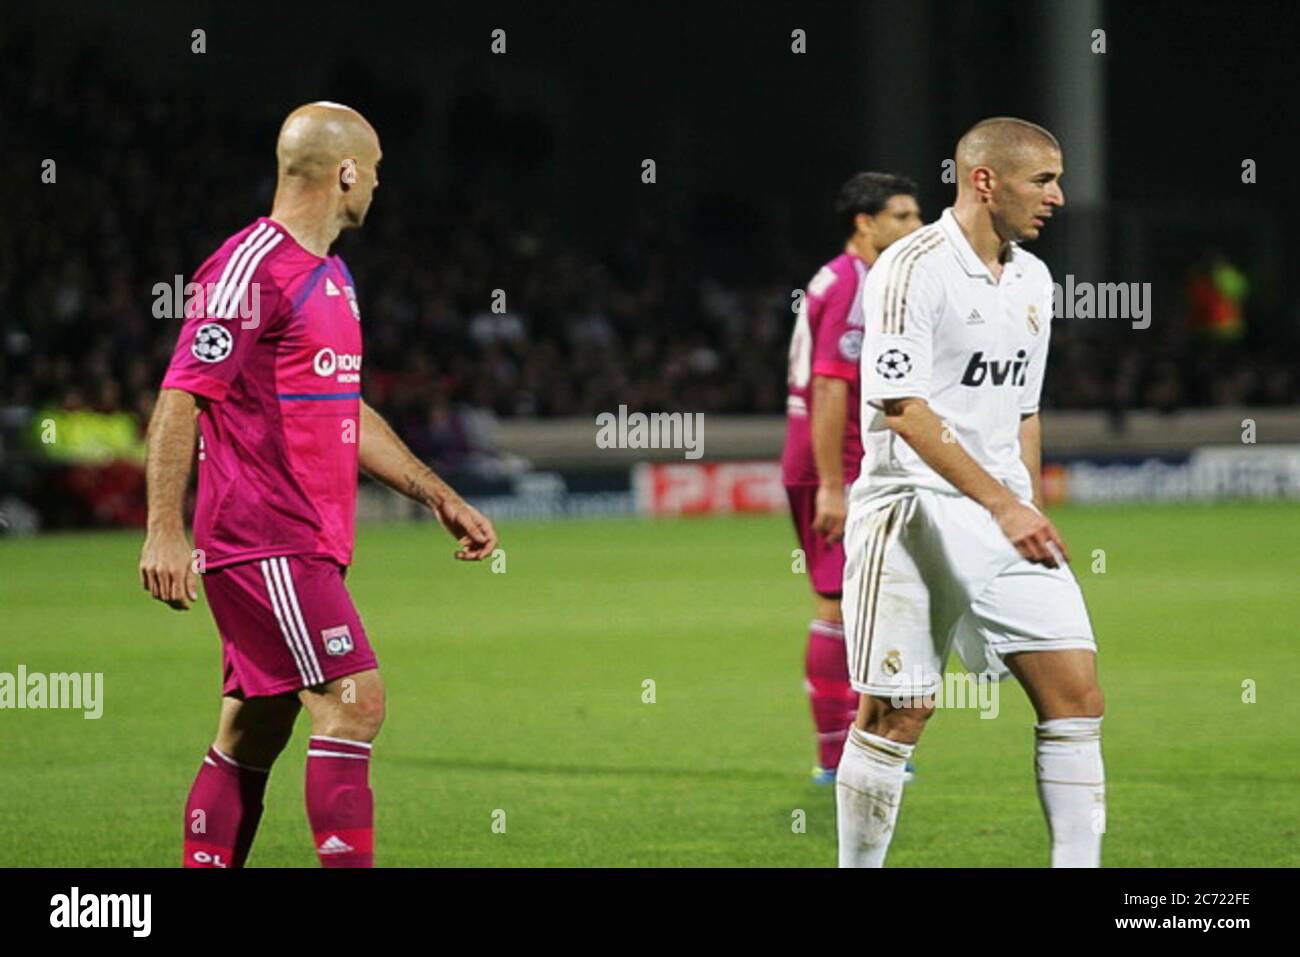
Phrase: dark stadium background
(522, 172)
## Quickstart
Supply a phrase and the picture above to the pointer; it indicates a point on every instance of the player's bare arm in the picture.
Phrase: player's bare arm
(166, 561)
(1031, 453)
(830, 402)
(386, 458)
(912, 420)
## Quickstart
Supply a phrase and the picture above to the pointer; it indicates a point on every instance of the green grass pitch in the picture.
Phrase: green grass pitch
(522, 692)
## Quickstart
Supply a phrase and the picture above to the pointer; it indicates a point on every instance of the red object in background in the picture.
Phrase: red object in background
(708, 488)
(1212, 310)
(112, 494)
(1055, 484)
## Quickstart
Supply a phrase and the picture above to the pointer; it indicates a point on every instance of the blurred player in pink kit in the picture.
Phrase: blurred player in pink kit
(268, 367)
(823, 445)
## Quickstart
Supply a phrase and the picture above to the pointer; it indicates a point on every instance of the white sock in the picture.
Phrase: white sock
(1072, 787)
(868, 789)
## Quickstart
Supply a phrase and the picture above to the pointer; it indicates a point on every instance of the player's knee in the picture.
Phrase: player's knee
(1094, 703)
(1084, 703)
(897, 724)
(373, 715)
(905, 724)
(351, 707)
(359, 719)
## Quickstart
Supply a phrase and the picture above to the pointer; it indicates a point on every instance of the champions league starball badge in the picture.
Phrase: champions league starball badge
(893, 364)
(212, 343)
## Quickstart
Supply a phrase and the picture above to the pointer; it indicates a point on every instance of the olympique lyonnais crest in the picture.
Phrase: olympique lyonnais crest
(338, 641)
(851, 345)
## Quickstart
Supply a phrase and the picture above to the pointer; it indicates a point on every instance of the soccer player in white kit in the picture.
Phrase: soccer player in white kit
(946, 540)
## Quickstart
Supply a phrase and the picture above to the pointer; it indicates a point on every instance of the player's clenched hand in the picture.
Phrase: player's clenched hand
(470, 527)
(1032, 534)
(167, 570)
(828, 520)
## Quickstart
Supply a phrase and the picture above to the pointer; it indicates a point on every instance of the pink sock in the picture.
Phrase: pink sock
(834, 702)
(340, 804)
(222, 812)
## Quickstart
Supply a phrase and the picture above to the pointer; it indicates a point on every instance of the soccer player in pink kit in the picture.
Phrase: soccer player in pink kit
(268, 365)
(823, 445)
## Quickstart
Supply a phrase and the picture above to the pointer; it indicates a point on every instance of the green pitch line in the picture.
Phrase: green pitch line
(523, 692)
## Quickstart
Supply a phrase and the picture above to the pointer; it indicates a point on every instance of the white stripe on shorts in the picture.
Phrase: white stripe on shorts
(313, 663)
(869, 586)
(290, 636)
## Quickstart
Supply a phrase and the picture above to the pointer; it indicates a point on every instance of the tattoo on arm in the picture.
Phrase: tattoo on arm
(417, 491)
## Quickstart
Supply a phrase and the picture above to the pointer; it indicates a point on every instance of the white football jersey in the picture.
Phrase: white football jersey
(938, 327)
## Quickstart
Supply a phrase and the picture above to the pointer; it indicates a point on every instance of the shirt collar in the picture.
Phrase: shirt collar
(966, 254)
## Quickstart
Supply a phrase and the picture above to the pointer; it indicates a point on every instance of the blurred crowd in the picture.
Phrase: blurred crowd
(474, 310)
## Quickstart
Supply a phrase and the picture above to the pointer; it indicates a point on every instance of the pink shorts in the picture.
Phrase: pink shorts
(286, 623)
(825, 561)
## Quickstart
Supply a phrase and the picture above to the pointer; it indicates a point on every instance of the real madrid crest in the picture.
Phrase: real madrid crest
(1032, 318)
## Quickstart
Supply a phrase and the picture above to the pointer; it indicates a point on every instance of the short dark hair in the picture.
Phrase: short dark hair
(868, 193)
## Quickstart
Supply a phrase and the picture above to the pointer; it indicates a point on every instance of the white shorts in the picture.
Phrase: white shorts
(924, 570)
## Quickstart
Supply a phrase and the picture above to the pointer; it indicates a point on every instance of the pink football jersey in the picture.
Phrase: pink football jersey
(272, 339)
(827, 341)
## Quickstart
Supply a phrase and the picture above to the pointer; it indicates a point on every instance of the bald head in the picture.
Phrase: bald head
(1003, 143)
(315, 139)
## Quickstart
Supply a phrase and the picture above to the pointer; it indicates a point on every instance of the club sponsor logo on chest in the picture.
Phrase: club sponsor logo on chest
(980, 371)
(346, 365)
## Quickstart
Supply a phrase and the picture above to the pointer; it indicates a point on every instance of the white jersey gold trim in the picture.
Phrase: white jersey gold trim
(979, 376)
